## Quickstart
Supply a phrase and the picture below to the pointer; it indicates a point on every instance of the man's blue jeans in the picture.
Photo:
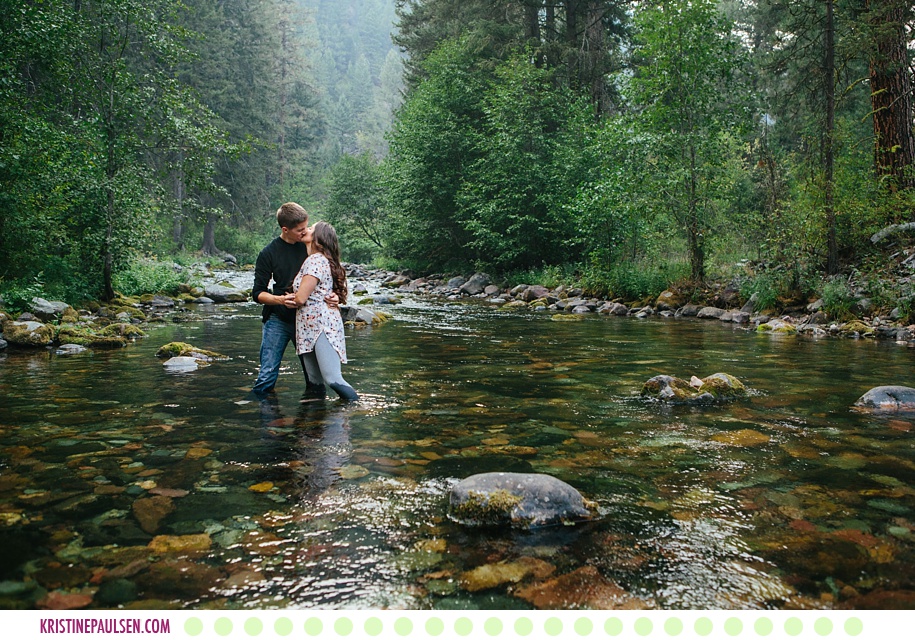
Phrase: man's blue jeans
(276, 335)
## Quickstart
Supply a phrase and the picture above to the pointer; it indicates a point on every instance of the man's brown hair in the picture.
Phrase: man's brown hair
(291, 214)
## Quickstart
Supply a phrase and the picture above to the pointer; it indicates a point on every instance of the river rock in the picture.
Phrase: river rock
(220, 293)
(535, 292)
(116, 592)
(70, 349)
(716, 387)
(395, 281)
(28, 333)
(150, 512)
(456, 282)
(615, 309)
(689, 310)
(183, 349)
(888, 398)
(48, 310)
(477, 284)
(668, 301)
(520, 499)
(181, 364)
(3, 344)
(710, 312)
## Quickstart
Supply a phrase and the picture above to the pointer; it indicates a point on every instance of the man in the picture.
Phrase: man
(280, 262)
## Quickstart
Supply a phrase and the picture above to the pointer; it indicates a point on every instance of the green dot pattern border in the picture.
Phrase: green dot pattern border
(510, 626)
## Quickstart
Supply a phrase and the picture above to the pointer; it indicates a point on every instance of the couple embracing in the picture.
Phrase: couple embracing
(309, 284)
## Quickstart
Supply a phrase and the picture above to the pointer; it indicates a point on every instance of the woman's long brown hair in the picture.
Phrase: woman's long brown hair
(325, 242)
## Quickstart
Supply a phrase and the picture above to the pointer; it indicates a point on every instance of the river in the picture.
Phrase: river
(117, 478)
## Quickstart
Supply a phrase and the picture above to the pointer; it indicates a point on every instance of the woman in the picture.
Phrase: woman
(319, 338)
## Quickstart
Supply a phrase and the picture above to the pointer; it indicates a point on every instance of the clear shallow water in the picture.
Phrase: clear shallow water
(784, 500)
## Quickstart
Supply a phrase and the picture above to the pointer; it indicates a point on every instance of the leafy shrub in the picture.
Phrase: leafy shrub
(147, 276)
(17, 296)
(838, 298)
(767, 287)
(633, 281)
(550, 276)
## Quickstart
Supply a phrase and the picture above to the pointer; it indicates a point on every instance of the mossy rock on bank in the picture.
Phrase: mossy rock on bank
(183, 349)
(718, 387)
(122, 329)
(776, 326)
(86, 337)
(522, 500)
(856, 327)
(28, 334)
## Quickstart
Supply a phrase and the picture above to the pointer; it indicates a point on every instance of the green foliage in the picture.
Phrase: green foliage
(512, 195)
(838, 298)
(355, 205)
(768, 286)
(17, 296)
(550, 276)
(690, 109)
(148, 276)
(632, 281)
(432, 146)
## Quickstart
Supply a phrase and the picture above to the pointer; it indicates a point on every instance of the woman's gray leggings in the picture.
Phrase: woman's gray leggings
(322, 366)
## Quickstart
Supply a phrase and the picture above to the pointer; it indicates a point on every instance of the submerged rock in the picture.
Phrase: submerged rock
(519, 499)
(180, 364)
(888, 398)
(714, 388)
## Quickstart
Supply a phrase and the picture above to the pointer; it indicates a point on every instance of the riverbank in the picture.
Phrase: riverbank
(94, 324)
(722, 303)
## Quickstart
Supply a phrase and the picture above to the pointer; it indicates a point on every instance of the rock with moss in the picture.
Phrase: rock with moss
(28, 334)
(522, 500)
(87, 337)
(718, 387)
(185, 350)
(856, 328)
(123, 330)
(890, 398)
(358, 316)
(774, 325)
(669, 301)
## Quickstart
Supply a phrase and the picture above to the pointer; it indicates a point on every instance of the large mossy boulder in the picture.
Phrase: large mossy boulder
(28, 334)
(520, 500)
(888, 398)
(718, 387)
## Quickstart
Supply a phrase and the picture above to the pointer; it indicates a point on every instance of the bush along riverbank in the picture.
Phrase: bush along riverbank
(723, 303)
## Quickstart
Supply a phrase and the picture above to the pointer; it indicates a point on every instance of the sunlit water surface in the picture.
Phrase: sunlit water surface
(787, 499)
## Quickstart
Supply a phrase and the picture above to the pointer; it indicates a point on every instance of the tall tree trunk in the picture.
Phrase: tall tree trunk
(891, 91)
(695, 240)
(107, 258)
(209, 237)
(832, 250)
(179, 193)
(594, 67)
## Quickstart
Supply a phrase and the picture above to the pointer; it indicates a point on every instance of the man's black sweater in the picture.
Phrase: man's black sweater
(279, 261)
